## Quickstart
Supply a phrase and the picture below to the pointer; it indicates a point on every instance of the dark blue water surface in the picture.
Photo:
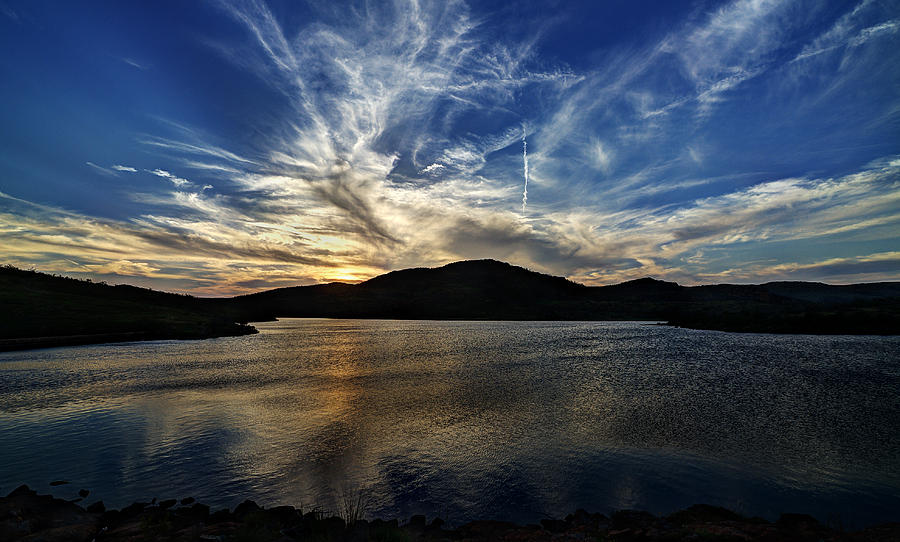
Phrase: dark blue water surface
(505, 420)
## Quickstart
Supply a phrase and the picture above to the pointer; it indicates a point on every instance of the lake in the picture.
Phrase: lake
(465, 420)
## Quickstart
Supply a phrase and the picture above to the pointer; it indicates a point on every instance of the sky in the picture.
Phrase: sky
(225, 147)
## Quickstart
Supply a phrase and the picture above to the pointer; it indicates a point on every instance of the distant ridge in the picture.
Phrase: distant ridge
(39, 310)
(494, 290)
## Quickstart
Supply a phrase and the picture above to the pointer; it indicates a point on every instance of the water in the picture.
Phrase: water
(505, 420)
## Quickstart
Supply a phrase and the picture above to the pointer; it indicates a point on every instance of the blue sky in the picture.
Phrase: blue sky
(224, 147)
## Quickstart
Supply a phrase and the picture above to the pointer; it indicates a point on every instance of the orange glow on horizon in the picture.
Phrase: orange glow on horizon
(349, 274)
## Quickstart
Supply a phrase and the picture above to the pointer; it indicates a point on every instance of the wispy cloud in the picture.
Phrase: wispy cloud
(201, 149)
(9, 12)
(851, 30)
(102, 170)
(133, 63)
(867, 268)
(177, 181)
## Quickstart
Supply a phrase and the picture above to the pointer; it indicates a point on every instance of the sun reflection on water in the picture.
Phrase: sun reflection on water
(466, 419)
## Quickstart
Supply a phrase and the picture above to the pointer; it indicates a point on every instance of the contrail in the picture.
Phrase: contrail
(525, 160)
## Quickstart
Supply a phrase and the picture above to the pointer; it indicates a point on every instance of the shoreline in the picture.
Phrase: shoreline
(55, 341)
(19, 344)
(27, 516)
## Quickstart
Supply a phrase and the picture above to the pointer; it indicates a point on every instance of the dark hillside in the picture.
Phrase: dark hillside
(794, 307)
(37, 309)
(477, 289)
(492, 290)
(481, 289)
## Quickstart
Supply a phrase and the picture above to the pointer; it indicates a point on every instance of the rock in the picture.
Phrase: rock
(887, 532)
(166, 504)
(801, 526)
(417, 522)
(720, 531)
(20, 491)
(554, 525)
(66, 533)
(631, 519)
(223, 531)
(83, 493)
(58, 482)
(285, 515)
(701, 513)
(581, 517)
(199, 512)
(380, 523)
(436, 524)
(245, 508)
(133, 509)
(110, 517)
(25, 514)
(97, 508)
(222, 516)
(486, 529)
(797, 522)
(186, 501)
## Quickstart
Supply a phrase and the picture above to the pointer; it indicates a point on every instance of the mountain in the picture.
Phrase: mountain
(492, 290)
(482, 289)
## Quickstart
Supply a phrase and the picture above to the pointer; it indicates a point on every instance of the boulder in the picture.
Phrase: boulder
(245, 508)
(417, 523)
(97, 508)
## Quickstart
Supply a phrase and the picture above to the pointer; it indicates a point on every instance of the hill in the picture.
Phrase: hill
(471, 290)
(492, 290)
(39, 310)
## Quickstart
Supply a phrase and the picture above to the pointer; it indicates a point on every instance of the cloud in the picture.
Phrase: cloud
(9, 12)
(850, 30)
(441, 223)
(855, 269)
(382, 99)
(133, 63)
(212, 168)
(397, 143)
(177, 181)
(602, 157)
(102, 170)
(64, 241)
(433, 169)
(202, 149)
(866, 34)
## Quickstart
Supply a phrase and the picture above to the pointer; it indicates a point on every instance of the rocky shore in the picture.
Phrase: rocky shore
(27, 516)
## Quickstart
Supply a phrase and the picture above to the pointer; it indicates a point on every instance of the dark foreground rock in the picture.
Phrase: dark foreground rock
(27, 516)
